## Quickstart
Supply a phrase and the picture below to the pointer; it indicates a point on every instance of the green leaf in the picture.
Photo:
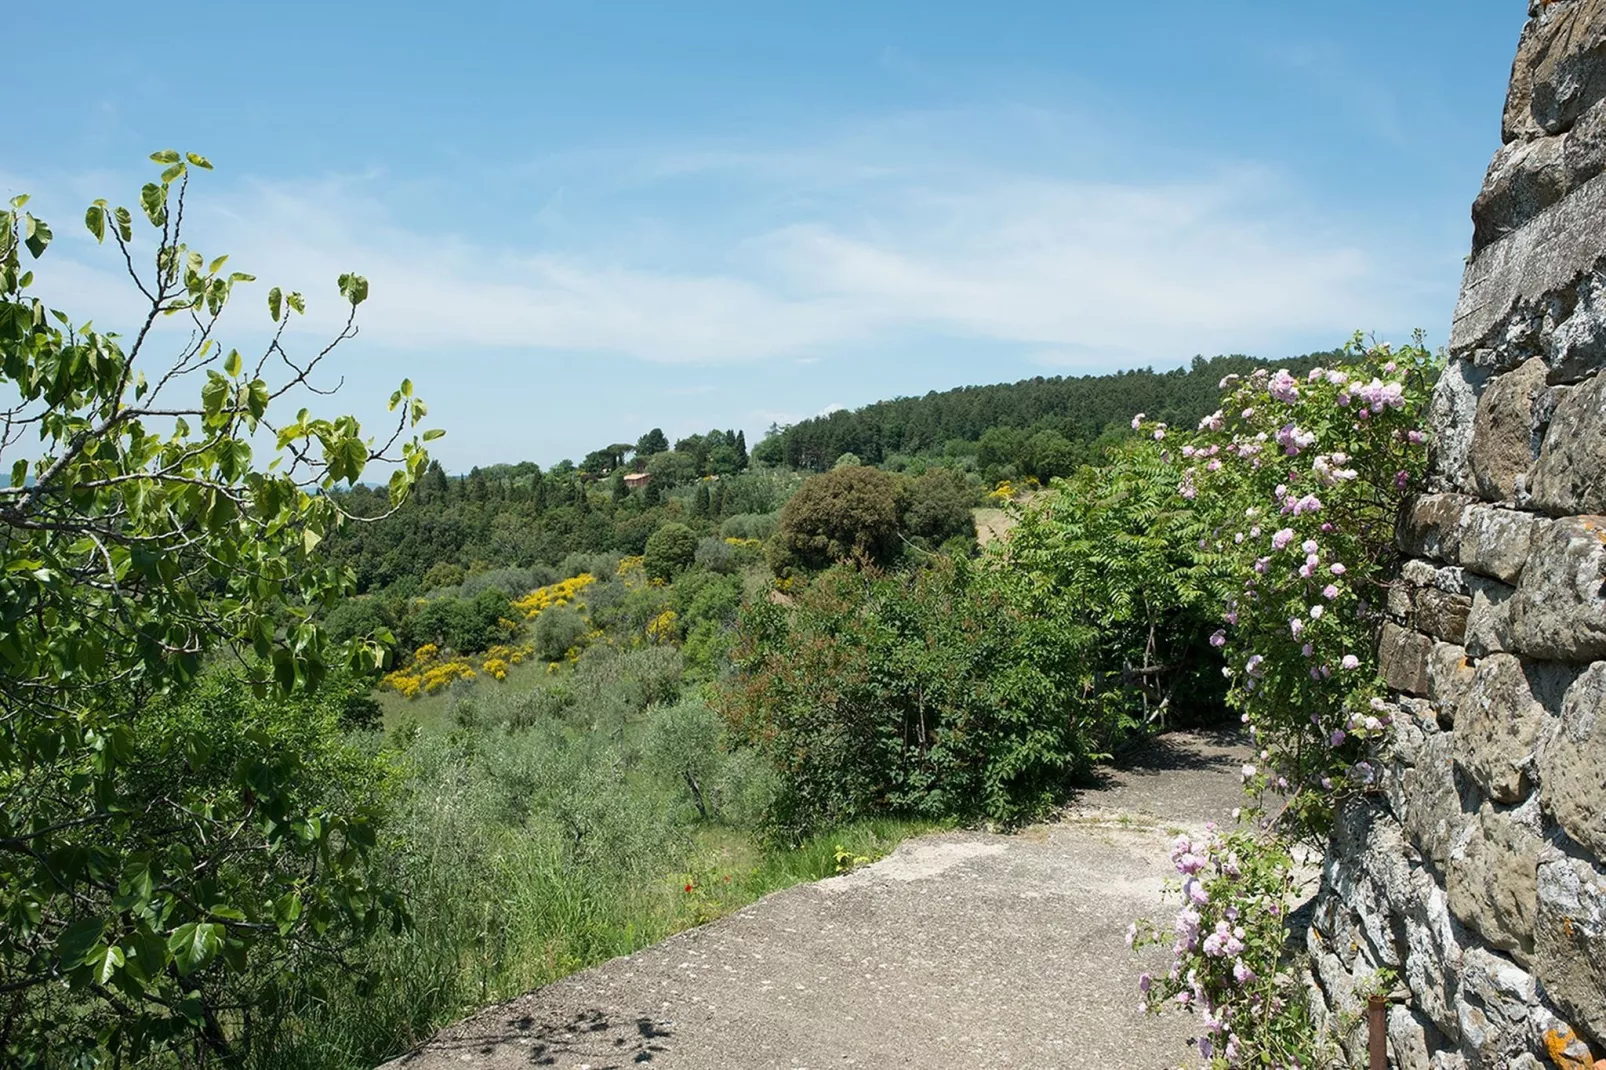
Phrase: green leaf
(231, 363)
(214, 393)
(153, 199)
(110, 963)
(275, 301)
(198, 161)
(194, 945)
(214, 266)
(166, 156)
(432, 434)
(354, 288)
(125, 223)
(19, 472)
(297, 302)
(172, 172)
(37, 236)
(95, 220)
(256, 398)
(286, 911)
(77, 940)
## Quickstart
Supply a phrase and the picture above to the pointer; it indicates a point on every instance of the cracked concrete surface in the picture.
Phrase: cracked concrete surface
(961, 949)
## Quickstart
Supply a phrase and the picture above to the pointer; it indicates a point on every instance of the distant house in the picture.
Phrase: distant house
(637, 480)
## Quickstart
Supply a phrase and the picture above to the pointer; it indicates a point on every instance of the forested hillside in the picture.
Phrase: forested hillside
(1042, 427)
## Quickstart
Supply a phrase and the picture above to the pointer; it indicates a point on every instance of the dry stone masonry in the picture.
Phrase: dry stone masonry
(1477, 875)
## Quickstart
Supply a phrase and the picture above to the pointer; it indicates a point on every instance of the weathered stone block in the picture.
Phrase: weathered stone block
(1497, 728)
(1401, 603)
(1411, 1038)
(1443, 616)
(1575, 344)
(1489, 622)
(1504, 443)
(1507, 284)
(1524, 178)
(1451, 412)
(1572, 762)
(1560, 1042)
(1403, 658)
(1571, 475)
(1570, 941)
(1493, 878)
(1495, 542)
(1431, 526)
(1434, 944)
(1563, 60)
(1450, 676)
(1430, 807)
(1584, 148)
(1559, 611)
(1496, 999)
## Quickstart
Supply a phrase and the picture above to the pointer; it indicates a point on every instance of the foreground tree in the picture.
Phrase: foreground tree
(846, 514)
(142, 542)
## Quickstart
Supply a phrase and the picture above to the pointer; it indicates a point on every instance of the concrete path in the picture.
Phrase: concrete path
(963, 950)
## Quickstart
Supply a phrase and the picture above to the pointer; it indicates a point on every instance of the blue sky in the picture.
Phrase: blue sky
(583, 220)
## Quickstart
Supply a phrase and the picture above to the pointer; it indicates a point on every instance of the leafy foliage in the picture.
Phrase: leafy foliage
(845, 514)
(948, 691)
(1124, 552)
(148, 853)
(669, 549)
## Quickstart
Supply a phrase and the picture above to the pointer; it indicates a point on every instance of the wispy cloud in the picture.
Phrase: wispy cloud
(1075, 272)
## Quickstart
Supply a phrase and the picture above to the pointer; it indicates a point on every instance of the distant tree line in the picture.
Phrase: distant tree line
(1041, 427)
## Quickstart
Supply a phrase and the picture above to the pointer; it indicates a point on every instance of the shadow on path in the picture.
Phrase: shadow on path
(605, 1043)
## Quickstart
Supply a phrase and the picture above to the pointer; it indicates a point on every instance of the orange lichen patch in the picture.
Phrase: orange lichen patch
(1567, 1051)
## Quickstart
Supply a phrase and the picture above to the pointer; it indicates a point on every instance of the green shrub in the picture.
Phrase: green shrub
(1124, 552)
(465, 625)
(750, 526)
(444, 574)
(935, 507)
(557, 631)
(949, 691)
(683, 744)
(715, 555)
(671, 548)
(845, 514)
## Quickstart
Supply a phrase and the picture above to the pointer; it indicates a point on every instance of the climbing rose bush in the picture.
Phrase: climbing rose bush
(1303, 480)
(1300, 481)
(1227, 944)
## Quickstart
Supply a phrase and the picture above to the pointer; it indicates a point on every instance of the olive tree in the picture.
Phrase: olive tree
(143, 540)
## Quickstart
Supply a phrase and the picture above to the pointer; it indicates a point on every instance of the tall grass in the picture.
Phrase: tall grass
(530, 846)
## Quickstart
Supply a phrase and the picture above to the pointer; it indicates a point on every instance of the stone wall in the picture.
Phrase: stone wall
(1478, 873)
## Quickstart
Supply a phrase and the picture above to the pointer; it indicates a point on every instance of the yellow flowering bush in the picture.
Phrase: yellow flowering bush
(664, 627)
(426, 673)
(553, 594)
(1009, 490)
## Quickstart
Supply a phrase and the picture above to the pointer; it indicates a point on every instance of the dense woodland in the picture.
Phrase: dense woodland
(1042, 427)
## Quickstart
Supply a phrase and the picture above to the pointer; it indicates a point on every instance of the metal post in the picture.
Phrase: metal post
(1377, 1041)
